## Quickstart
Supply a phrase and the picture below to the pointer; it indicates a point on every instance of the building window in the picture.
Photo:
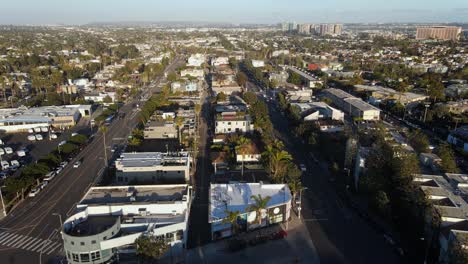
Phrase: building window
(75, 257)
(68, 255)
(82, 243)
(71, 242)
(93, 241)
(112, 233)
(104, 238)
(95, 255)
(84, 257)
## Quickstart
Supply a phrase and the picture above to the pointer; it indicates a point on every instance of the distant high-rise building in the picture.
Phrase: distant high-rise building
(289, 26)
(439, 32)
(305, 28)
(330, 29)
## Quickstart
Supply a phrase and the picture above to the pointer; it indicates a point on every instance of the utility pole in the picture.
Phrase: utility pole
(425, 111)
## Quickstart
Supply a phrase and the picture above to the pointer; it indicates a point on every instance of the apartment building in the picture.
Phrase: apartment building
(439, 32)
(354, 106)
(152, 167)
(108, 220)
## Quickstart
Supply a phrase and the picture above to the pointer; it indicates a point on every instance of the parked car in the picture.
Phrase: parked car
(74, 134)
(77, 164)
(4, 175)
(37, 130)
(34, 192)
(63, 164)
(30, 131)
(53, 136)
(15, 164)
(21, 153)
(43, 184)
(39, 137)
(8, 150)
(44, 129)
(58, 170)
(31, 138)
(5, 165)
(2, 151)
(49, 176)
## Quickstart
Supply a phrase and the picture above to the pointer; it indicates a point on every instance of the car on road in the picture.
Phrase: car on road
(8, 150)
(34, 192)
(63, 164)
(43, 184)
(49, 176)
(58, 170)
(31, 138)
(39, 137)
(303, 167)
(77, 164)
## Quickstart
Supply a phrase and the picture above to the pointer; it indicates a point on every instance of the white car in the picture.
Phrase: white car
(21, 153)
(30, 131)
(34, 192)
(74, 134)
(49, 176)
(37, 130)
(76, 164)
(53, 136)
(31, 138)
(58, 170)
(43, 184)
(63, 164)
(44, 129)
(8, 150)
(2, 152)
(15, 164)
(39, 137)
(5, 165)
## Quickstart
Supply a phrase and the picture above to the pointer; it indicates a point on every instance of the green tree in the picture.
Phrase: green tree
(241, 79)
(250, 98)
(150, 248)
(221, 97)
(68, 148)
(231, 218)
(447, 155)
(260, 204)
(243, 145)
(419, 141)
(172, 77)
(79, 139)
(107, 100)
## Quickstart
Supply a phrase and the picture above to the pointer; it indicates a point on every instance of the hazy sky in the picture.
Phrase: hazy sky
(235, 11)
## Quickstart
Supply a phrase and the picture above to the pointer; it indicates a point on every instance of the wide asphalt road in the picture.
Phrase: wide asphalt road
(31, 232)
(338, 233)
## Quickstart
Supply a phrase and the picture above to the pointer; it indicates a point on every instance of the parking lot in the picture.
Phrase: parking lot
(37, 148)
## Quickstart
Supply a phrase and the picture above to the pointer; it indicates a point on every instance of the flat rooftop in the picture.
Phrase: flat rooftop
(135, 194)
(151, 159)
(237, 197)
(93, 225)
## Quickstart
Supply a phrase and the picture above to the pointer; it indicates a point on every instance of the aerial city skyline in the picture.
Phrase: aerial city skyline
(234, 132)
(242, 11)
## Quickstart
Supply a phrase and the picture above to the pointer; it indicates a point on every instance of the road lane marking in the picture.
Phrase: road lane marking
(6, 237)
(3, 234)
(12, 241)
(20, 242)
(54, 249)
(31, 242)
(50, 247)
(34, 245)
(40, 245)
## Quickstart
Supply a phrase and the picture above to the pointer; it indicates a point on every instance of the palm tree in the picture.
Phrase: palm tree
(260, 204)
(179, 122)
(295, 185)
(242, 147)
(104, 129)
(279, 163)
(231, 218)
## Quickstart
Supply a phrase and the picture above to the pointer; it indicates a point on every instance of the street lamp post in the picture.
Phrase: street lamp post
(300, 202)
(60, 218)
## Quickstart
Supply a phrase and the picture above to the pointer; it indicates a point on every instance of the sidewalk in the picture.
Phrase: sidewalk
(297, 247)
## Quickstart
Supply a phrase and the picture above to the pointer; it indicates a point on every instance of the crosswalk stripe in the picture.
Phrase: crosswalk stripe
(35, 244)
(3, 234)
(21, 241)
(53, 249)
(39, 246)
(46, 248)
(32, 242)
(12, 239)
(6, 237)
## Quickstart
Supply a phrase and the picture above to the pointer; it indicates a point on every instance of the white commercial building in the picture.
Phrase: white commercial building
(196, 60)
(232, 122)
(258, 63)
(318, 110)
(22, 118)
(220, 61)
(99, 97)
(354, 106)
(238, 197)
(108, 220)
(197, 73)
(152, 167)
